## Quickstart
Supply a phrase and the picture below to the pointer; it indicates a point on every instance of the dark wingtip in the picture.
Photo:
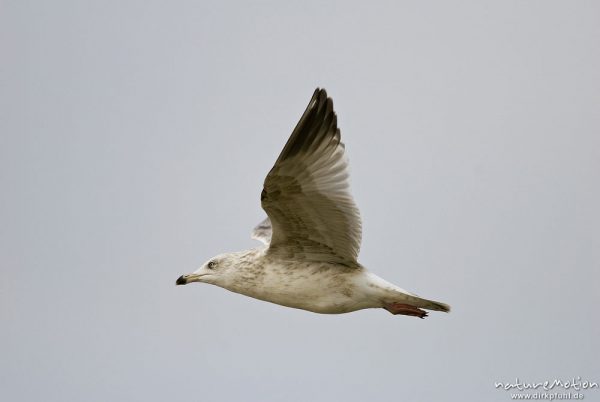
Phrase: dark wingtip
(180, 281)
(320, 95)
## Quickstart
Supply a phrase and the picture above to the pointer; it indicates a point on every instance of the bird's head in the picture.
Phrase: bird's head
(215, 271)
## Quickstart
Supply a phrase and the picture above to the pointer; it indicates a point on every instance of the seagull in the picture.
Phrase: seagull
(311, 235)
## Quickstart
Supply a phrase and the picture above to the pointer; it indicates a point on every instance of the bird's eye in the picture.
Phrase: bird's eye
(212, 265)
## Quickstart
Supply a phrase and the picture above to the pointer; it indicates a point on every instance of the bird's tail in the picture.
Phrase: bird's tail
(434, 305)
(413, 305)
(420, 302)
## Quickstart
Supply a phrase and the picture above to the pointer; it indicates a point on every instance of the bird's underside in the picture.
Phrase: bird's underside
(347, 287)
(312, 233)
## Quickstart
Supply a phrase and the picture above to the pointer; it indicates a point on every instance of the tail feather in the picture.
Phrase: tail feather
(437, 306)
(428, 304)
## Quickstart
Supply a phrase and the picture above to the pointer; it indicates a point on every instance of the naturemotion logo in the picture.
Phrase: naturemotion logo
(556, 389)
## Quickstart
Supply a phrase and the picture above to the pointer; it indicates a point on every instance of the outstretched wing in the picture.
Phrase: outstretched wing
(306, 194)
(262, 231)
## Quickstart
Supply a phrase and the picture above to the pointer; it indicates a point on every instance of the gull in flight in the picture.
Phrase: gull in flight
(312, 233)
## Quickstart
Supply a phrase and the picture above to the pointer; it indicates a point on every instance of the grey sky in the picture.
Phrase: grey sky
(134, 138)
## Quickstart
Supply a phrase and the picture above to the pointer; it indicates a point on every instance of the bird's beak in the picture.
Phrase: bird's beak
(185, 279)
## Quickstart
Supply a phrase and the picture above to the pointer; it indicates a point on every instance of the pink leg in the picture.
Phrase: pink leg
(405, 309)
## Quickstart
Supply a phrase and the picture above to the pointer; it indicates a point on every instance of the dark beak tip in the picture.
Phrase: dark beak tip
(180, 281)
